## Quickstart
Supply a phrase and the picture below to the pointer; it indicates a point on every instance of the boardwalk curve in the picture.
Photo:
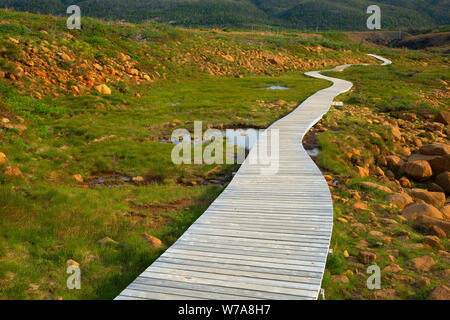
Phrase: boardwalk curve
(264, 237)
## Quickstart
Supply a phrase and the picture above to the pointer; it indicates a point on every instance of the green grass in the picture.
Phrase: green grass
(47, 218)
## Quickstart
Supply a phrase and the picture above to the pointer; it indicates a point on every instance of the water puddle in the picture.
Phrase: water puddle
(112, 180)
(277, 88)
(313, 152)
(243, 138)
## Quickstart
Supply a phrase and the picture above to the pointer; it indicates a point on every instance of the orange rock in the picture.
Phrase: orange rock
(152, 241)
(13, 172)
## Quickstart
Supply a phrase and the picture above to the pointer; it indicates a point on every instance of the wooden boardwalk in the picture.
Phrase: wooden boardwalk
(265, 236)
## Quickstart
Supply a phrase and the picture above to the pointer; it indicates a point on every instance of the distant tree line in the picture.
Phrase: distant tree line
(302, 14)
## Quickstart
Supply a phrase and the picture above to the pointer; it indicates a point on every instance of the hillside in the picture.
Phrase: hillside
(303, 14)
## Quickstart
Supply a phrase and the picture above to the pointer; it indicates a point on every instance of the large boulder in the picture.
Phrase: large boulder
(436, 199)
(419, 170)
(414, 211)
(438, 163)
(443, 180)
(443, 117)
(429, 222)
(435, 149)
(394, 162)
(400, 200)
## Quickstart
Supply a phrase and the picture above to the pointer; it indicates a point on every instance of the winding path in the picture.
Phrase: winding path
(265, 236)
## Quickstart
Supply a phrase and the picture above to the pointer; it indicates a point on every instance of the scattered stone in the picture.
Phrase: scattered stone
(385, 294)
(65, 57)
(435, 127)
(388, 222)
(381, 160)
(103, 89)
(443, 253)
(71, 262)
(78, 178)
(342, 220)
(34, 286)
(394, 131)
(428, 222)
(440, 293)
(436, 199)
(390, 174)
(435, 149)
(404, 182)
(394, 268)
(440, 164)
(434, 242)
(341, 278)
(375, 233)
(97, 66)
(436, 231)
(394, 162)
(420, 170)
(360, 206)
(400, 200)
(362, 172)
(138, 179)
(152, 241)
(106, 241)
(13, 40)
(434, 187)
(3, 159)
(414, 211)
(423, 282)
(445, 274)
(133, 71)
(376, 171)
(443, 180)
(423, 264)
(375, 186)
(355, 194)
(362, 244)
(366, 257)
(358, 227)
(412, 117)
(403, 278)
(12, 172)
(443, 117)
(446, 211)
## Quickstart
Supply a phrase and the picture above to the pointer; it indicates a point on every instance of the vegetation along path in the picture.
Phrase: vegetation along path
(265, 236)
